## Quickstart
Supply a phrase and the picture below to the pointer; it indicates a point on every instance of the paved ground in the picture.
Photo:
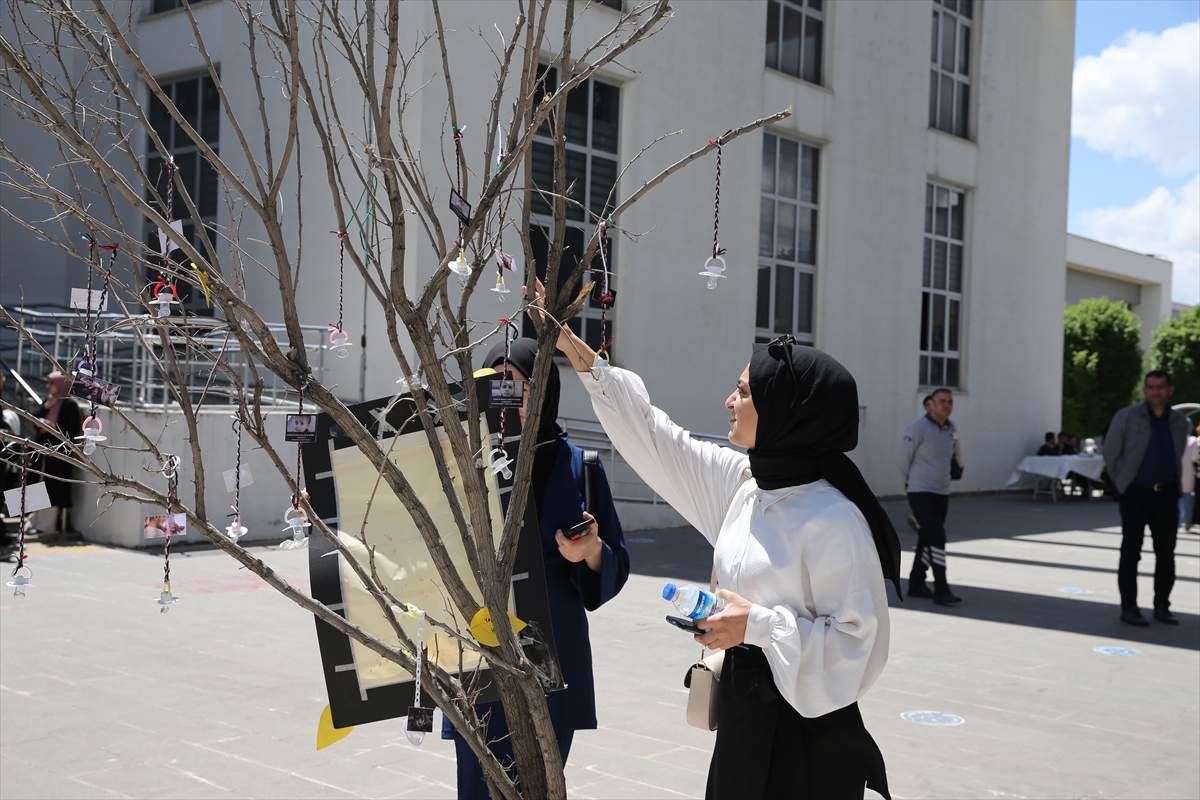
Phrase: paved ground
(101, 696)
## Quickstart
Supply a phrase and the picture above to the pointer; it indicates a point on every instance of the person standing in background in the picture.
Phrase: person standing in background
(929, 448)
(1187, 479)
(1143, 452)
(60, 419)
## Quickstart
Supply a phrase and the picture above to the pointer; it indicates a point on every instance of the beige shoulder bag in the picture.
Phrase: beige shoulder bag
(703, 678)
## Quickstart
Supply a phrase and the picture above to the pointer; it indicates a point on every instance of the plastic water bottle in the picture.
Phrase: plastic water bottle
(692, 601)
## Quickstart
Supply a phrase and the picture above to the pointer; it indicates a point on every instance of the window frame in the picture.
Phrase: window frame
(773, 262)
(964, 14)
(952, 291)
(815, 10)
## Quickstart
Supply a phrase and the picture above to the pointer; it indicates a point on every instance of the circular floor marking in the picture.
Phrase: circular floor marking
(933, 718)
(640, 540)
(1074, 590)
(1117, 651)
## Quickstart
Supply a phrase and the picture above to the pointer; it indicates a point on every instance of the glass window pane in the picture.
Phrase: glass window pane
(806, 250)
(785, 231)
(543, 178)
(762, 308)
(573, 244)
(804, 302)
(924, 378)
(187, 101)
(164, 5)
(604, 176)
(933, 98)
(924, 323)
(929, 208)
(606, 102)
(768, 164)
(766, 226)
(773, 35)
(964, 50)
(946, 105)
(206, 202)
(577, 181)
(948, 30)
(962, 110)
(956, 215)
(933, 48)
(816, 5)
(210, 117)
(964, 8)
(785, 298)
(952, 372)
(941, 221)
(936, 376)
(160, 120)
(813, 39)
(927, 264)
(952, 325)
(577, 114)
(950, 4)
(789, 166)
(789, 54)
(809, 156)
(185, 175)
(955, 282)
(937, 331)
(939, 265)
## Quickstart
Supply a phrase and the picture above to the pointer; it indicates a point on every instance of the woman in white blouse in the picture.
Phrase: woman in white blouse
(802, 553)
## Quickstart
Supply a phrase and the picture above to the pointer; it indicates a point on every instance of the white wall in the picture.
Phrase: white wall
(1088, 258)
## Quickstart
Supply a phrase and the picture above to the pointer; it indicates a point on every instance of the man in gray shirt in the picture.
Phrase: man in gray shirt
(929, 447)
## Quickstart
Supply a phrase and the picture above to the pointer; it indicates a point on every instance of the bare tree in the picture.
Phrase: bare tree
(74, 71)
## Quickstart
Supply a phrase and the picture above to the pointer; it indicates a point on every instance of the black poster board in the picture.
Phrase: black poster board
(352, 700)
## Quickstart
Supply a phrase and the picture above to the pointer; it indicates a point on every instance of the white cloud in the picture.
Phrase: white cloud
(1164, 223)
(1140, 98)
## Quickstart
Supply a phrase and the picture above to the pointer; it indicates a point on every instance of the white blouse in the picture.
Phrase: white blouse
(803, 555)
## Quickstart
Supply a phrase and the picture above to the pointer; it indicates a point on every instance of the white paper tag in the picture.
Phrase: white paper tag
(230, 476)
(165, 245)
(36, 498)
(99, 299)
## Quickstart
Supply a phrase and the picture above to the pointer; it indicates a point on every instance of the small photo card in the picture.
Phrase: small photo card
(96, 298)
(93, 390)
(165, 245)
(301, 428)
(36, 499)
(163, 525)
(504, 260)
(230, 476)
(420, 719)
(507, 394)
(460, 207)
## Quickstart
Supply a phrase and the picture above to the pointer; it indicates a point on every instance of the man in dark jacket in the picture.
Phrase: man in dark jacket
(1143, 452)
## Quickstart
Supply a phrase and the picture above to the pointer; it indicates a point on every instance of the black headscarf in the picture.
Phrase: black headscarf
(807, 406)
(521, 354)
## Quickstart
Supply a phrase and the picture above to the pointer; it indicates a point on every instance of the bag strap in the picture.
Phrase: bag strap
(591, 462)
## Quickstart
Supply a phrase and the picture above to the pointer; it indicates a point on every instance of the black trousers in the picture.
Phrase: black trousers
(930, 510)
(767, 751)
(1141, 507)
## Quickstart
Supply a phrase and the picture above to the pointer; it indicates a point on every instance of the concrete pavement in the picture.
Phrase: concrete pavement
(102, 696)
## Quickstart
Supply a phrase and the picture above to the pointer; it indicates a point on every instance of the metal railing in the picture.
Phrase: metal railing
(626, 486)
(130, 353)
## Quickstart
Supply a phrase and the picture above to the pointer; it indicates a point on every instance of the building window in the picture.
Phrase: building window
(593, 130)
(616, 5)
(942, 282)
(199, 103)
(949, 77)
(787, 239)
(159, 6)
(796, 37)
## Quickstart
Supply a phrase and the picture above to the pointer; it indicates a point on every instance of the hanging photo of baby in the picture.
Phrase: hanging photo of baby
(507, 394)
(420, 719)
(93, 390)
(163, 525)
(301, 428)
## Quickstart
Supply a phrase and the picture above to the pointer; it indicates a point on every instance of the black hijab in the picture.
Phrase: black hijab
(807, 406)
(521, 354)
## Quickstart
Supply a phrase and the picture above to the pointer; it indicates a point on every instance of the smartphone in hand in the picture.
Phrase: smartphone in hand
(685, 624)
(578, 531)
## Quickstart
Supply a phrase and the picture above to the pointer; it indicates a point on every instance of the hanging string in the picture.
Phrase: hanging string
(24, 514)
(457, 133)
(171, 470)
(341, 276)
(235, 530)
(296, 493)
(717, 249)
(507, 375)
(606, 295)
(168, 169)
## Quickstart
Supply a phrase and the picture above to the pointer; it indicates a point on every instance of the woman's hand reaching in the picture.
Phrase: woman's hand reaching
(727, 628)
(581, 356)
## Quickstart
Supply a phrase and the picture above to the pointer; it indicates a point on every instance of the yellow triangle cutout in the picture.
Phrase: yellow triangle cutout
(326, 733)
(485, 634)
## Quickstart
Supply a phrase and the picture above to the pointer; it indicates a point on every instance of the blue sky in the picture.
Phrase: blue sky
(1113, 171)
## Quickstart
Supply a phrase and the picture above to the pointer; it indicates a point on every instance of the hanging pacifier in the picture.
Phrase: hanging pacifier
(500, 463)
(297, 521)
(21, 578)
(459, 266)
(84, 368)
(236, 530)
(165, 598)
(91, 434)
(501, 289)
(714, 268)
(339, 340)
(165, 295)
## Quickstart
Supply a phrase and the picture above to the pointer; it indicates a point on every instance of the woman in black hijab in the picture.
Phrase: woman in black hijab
(801, 549)
(581, 574)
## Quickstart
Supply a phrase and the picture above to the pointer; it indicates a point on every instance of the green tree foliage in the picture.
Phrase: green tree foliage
(1102, 363)
(1176, 349)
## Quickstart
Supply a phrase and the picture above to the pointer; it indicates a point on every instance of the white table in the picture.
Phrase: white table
(1057, 468)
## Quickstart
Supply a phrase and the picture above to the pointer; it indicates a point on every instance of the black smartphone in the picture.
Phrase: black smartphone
(578, 530)
(685, 624)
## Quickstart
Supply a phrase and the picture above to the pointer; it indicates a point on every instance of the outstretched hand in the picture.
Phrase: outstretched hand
(576, 350)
